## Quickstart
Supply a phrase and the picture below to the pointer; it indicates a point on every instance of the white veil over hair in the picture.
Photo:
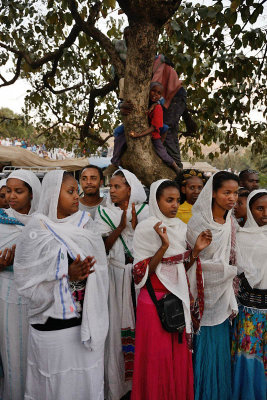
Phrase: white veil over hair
(41, 266)
(147, 242)
(219, 295)
(31, 179)
(251, 242)
(2, 183)
(10, 232)
(137, 196)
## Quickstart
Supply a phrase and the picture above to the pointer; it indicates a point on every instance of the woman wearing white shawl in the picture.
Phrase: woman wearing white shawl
(52, 266)
(116, 222)
(3, 202)
(212, 210)
(23, 192)
(163, 366)
(249, 330)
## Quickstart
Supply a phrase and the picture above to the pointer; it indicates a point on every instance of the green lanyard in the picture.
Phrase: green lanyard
(110, 223)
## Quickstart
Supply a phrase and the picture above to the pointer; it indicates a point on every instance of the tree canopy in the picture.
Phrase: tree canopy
(13, 125)
(65, 48)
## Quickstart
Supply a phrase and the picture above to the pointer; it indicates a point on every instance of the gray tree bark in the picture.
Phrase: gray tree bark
(145, 21)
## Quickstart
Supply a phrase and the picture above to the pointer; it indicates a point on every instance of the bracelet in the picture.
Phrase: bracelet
(194, 258)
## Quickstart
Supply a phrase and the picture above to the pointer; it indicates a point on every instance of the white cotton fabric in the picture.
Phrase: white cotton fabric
(251, 241)
(147, 242)
(41, 266)
(121, 313)
(219, 298)
(64, 366)
(138, 196)
(2, 183)
(9, 233)
(32, 180)
(13, 307)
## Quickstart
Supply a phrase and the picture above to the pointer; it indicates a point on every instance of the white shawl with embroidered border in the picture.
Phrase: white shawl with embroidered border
(147, 242)
(219, 295)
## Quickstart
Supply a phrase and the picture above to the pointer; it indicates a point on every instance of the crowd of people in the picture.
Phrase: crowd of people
(40, 150)
(134, 295)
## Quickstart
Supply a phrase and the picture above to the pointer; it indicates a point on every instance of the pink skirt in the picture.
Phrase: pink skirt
(162, 366)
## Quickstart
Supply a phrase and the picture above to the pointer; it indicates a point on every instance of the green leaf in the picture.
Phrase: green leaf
(234, 5)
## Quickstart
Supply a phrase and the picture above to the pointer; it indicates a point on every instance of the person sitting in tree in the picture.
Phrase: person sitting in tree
(155, 116)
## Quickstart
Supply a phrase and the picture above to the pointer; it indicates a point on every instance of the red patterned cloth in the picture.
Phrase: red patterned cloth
(139, 270)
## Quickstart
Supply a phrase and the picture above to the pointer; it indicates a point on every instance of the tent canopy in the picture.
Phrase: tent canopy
(18, 157)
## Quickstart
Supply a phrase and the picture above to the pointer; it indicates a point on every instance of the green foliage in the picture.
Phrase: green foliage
(222, 59)
(243, 159)
(13, 125)
(219, 51)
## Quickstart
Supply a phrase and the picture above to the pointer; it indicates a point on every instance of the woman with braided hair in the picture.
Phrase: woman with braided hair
(192, 182)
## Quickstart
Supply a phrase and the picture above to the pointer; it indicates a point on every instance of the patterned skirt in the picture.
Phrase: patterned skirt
(249, 359)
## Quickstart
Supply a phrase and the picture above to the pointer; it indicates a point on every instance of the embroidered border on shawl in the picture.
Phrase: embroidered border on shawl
(128, 347)
(197, 305)
(82, 217)
(179, 258)
(139, 270)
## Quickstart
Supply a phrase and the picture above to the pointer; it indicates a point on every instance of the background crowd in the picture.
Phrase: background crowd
(40, 150)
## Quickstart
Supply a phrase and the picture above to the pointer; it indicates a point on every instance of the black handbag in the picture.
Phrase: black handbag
(170, 311)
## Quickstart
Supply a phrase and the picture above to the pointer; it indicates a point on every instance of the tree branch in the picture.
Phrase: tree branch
(89, 28)
(16, 75)
(139, 11)
(262, 63)
(55, 55)
(93, 94)
(3, 119)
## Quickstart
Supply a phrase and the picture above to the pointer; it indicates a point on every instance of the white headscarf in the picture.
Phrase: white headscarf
(252, 249)
(219, 295)
(41, 266)
(10, 233)
(51, 187)
(32, 180)
(2, 183)
(137, 196)
(147, 242)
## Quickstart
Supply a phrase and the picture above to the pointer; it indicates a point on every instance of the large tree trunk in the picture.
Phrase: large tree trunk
(145, 21)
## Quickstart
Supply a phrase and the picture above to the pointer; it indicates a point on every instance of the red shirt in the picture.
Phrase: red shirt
(156, 120)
